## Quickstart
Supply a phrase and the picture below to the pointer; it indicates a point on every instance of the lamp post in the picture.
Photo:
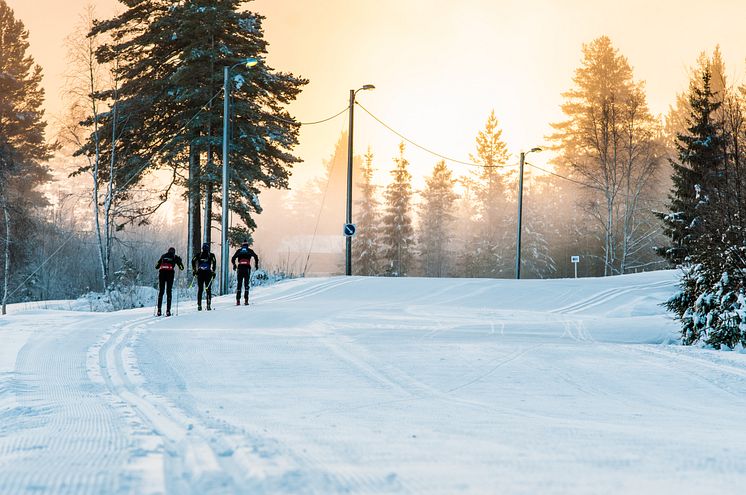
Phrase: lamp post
(348, 216)
(249, 62)
(520, 213)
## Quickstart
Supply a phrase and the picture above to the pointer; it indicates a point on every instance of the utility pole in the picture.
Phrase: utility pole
(348, 216)
(225, 253)
(520, 213)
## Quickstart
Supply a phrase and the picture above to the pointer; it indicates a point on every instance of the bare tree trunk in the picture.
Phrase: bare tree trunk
(194, 203)
(209, 188)
(109, 200)
(6, 269)
(91, 62)
(608, 238)
(208, 214)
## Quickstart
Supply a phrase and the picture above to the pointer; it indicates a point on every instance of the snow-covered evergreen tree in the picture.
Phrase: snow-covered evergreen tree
(700, 152)
(397, 231)
(366, 245)
(437, 217)
(705, 228)
(23, 147)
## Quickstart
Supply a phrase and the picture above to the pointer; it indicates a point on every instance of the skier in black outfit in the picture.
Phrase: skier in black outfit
(203, 267)
(243, 256)
(166, 267)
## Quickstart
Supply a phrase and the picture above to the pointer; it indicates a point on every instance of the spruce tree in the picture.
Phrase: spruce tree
(436, 222)
(170, 59)
(486, 253)
(700, 232)
(366, 245)
(23, 147)
(700, 152)
(536, 257)
(397, 232)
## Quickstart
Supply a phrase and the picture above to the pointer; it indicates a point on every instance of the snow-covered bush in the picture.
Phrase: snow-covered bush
(711, 313)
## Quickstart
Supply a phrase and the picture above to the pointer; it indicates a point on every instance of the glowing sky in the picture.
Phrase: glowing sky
(440, 66)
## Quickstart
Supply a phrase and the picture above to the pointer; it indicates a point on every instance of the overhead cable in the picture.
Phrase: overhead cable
(447, 158)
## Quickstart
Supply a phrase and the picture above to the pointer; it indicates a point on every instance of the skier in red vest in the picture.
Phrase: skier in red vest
(243, 256)
(166, 267)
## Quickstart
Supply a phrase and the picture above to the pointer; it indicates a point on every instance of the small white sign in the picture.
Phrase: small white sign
(575, 259)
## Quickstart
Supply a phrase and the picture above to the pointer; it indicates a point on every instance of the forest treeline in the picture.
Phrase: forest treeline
(627, 191)
(611, 177)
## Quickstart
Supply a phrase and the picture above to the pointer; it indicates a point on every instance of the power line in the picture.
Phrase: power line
(584, 184)
(562, 176)
(471, 164)
(318, 217)
(310, 123)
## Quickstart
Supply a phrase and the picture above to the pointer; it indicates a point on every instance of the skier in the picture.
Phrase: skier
(244, 255)
(166, 267)
(203, 267)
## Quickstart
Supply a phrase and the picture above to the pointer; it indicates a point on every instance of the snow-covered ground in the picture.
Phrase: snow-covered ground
(374, 385)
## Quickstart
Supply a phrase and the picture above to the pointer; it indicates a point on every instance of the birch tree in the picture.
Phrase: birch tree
(86, 81)
(608, 143)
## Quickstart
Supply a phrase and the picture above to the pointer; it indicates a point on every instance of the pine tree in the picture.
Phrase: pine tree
(23, 147)
(486, 254)
(397, 232)
(366, 245)
(170, 61)
(436, 222)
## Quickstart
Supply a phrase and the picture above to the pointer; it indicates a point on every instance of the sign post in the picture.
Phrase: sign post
(575, 260)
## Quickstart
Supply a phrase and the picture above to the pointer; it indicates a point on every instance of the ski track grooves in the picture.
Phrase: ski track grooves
(307, 292)
(54, 398)
(607, 295)
(190, 458)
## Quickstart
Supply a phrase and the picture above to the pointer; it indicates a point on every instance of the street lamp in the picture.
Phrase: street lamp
(520, 212)
(249, 62)
(348, 217)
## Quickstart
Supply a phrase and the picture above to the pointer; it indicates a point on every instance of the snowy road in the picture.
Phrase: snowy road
(374, 385)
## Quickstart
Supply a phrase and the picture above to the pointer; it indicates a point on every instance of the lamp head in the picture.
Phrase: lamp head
(250, 62)
(368, 86)
(534, 149)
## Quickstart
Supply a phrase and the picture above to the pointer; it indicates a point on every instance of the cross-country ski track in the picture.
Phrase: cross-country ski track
(374, 385)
